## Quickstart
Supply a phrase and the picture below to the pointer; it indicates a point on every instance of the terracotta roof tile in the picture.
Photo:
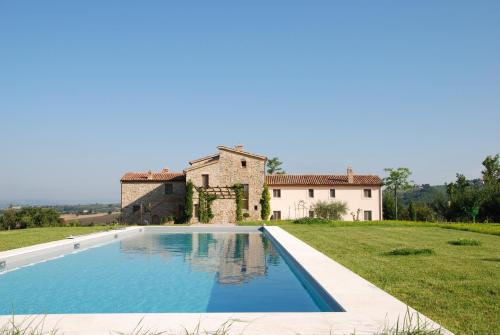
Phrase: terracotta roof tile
(216, 156)
(326, 180)
(153, 176)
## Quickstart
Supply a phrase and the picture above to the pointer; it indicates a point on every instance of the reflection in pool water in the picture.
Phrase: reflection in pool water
(234, 257)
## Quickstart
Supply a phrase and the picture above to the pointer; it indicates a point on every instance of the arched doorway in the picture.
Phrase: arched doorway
(155, 220)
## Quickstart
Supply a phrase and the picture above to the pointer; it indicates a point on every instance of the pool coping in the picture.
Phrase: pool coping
(368, 309)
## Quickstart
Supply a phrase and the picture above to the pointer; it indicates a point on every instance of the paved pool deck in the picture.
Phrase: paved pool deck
(368, 309)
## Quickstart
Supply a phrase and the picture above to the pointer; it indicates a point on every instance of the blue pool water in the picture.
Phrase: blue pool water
(164, 272)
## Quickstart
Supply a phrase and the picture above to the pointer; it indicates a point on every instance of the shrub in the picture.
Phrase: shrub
(167, 219)
(330, 210)
(29, 217)
(424, 213)
(464, 241)
(409, 252)
(308, 220)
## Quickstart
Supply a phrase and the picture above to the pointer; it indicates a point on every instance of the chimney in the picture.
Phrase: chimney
(150, 175)
(350, 176)
(165, 170)
(238, 147)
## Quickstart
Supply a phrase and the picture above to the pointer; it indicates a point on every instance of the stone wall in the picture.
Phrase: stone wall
(228, 171)
(151, 194)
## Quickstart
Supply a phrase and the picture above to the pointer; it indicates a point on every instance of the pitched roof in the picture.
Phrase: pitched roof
(324, 180)
(216, 156)
(153, 176)
(241, 152)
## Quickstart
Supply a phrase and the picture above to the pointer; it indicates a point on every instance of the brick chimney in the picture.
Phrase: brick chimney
(165, 170)
(150, 175)
(350, 175)
(238, 147)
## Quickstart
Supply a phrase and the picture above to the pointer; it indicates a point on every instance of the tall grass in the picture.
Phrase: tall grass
(464, 241)
(31, 325)
(409, 252)
(412, 324)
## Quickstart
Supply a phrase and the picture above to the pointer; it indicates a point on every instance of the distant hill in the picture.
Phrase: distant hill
(423, 193)
(25, 202)
(70, 209)
(87, 209)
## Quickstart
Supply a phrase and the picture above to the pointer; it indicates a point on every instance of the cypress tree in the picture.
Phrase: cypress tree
(188, 201)
(265, 203)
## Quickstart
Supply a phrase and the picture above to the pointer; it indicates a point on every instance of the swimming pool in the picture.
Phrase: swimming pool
(164, 272)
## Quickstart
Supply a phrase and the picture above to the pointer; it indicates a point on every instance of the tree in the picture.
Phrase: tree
(9, 219)
(466, 198)
(439, 207)
(265, 203)
(188, 201)
(29, 217)
(491, 172)
(423, 213)
(274, 166)
(388, 206)
(491, 198)
(397, 181)
(412, 212)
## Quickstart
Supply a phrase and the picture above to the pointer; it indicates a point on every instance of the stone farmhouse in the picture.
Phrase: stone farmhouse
(153, 197)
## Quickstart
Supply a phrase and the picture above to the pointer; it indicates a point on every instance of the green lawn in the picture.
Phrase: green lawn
(457, 286)
(485, 228)
(24, 237)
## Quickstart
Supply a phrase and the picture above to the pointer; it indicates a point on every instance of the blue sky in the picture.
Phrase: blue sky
(91, 89)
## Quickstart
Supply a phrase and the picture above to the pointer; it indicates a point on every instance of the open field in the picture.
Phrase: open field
(11, 239)
(91, 219)
(456, 285)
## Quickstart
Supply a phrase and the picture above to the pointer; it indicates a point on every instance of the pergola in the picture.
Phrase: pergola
(221, 192)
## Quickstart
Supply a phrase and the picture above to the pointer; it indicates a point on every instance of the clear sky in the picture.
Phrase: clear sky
(91, 89)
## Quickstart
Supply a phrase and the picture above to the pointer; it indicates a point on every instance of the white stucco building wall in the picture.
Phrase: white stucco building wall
(295, 201)
(294, 196)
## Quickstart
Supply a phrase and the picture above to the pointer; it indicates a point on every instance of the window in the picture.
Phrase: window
(244, 201)
(311, 193)
(169, 188)
(367, 215)
(276, 215)
(332, 193)
(311, 214)
(367, 193)
(136, 208)
(276, 193)
(204, 180)
(243, 163)
(256, 207)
